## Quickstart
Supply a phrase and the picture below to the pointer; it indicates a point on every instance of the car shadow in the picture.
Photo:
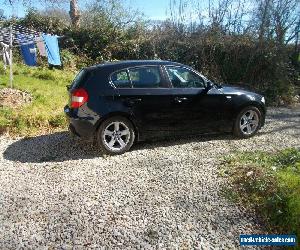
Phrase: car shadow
(60, 146)
(180, 139)
(55, 147)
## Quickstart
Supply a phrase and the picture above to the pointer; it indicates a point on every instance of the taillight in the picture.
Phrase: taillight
(78, 98)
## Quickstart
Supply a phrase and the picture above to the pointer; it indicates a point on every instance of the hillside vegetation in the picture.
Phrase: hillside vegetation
(49, 95)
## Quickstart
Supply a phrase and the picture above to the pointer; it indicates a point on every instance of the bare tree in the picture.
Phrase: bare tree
(236, 20)
(218, 13)
(263, 19)
(225, 15)
(285, 16)
(179, 11)
(297, 36)
(277, 19)
(74, 11)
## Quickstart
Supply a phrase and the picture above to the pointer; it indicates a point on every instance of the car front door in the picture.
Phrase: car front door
(197, 108)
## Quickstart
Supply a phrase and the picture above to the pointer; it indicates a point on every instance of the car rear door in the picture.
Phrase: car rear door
(144, 93)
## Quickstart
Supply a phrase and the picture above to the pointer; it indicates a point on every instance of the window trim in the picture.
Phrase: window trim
(163, 83)
(117, 71)
(186, 68)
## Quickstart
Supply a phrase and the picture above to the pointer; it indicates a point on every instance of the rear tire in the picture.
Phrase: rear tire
(115, 135)
(247, 122)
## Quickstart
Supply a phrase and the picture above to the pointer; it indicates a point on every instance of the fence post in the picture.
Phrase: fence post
(11, 57)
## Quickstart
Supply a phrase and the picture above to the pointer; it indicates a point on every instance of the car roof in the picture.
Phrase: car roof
(115, 65)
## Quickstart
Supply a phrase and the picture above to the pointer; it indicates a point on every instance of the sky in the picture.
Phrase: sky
(153, 9)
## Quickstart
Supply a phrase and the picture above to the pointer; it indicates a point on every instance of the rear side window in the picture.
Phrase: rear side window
(121, 79)
(80, 79)
(145, 77)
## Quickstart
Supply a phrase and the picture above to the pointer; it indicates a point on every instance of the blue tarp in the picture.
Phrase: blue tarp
(51, 44)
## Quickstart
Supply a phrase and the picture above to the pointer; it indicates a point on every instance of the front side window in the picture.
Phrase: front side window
(184, 78)
(145, 77)
(121, 79)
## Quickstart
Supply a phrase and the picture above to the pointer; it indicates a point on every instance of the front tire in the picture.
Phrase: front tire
(115, 135)
(247, 122)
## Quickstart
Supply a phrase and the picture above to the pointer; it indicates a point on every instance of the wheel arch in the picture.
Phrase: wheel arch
(248, 104)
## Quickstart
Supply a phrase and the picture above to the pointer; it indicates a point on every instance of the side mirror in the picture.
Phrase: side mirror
(209, 85)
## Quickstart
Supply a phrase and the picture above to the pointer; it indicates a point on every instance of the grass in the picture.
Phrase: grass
(45, 112)
(269, 183)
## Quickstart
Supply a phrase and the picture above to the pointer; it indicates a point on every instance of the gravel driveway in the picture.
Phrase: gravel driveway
(58, 193)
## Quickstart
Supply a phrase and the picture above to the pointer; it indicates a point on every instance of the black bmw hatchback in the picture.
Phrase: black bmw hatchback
(121, 102)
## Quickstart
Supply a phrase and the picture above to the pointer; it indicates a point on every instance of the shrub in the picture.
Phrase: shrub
(57, 121)
(44, 75)
(270, 183)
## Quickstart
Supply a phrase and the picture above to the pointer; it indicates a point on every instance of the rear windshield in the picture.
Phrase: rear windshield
(80, 79)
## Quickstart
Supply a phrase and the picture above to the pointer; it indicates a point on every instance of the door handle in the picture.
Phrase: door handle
(180, 99)
(135, 99)
(132, 101)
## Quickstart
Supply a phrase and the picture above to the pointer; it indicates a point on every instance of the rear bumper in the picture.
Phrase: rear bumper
(78, 126)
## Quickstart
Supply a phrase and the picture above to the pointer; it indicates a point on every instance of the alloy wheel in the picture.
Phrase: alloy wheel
(249, 122)
(116, 136)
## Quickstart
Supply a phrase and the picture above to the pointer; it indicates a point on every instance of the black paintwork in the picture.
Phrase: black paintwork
(151, 110)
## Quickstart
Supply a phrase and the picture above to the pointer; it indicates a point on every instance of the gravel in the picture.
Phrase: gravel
(57, 192)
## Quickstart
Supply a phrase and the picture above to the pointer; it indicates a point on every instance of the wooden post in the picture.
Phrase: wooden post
(10, 57)
(74, 13)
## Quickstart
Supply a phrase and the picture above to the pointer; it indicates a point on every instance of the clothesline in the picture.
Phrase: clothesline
(35, 41)
(29, 41)
(17, 31)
